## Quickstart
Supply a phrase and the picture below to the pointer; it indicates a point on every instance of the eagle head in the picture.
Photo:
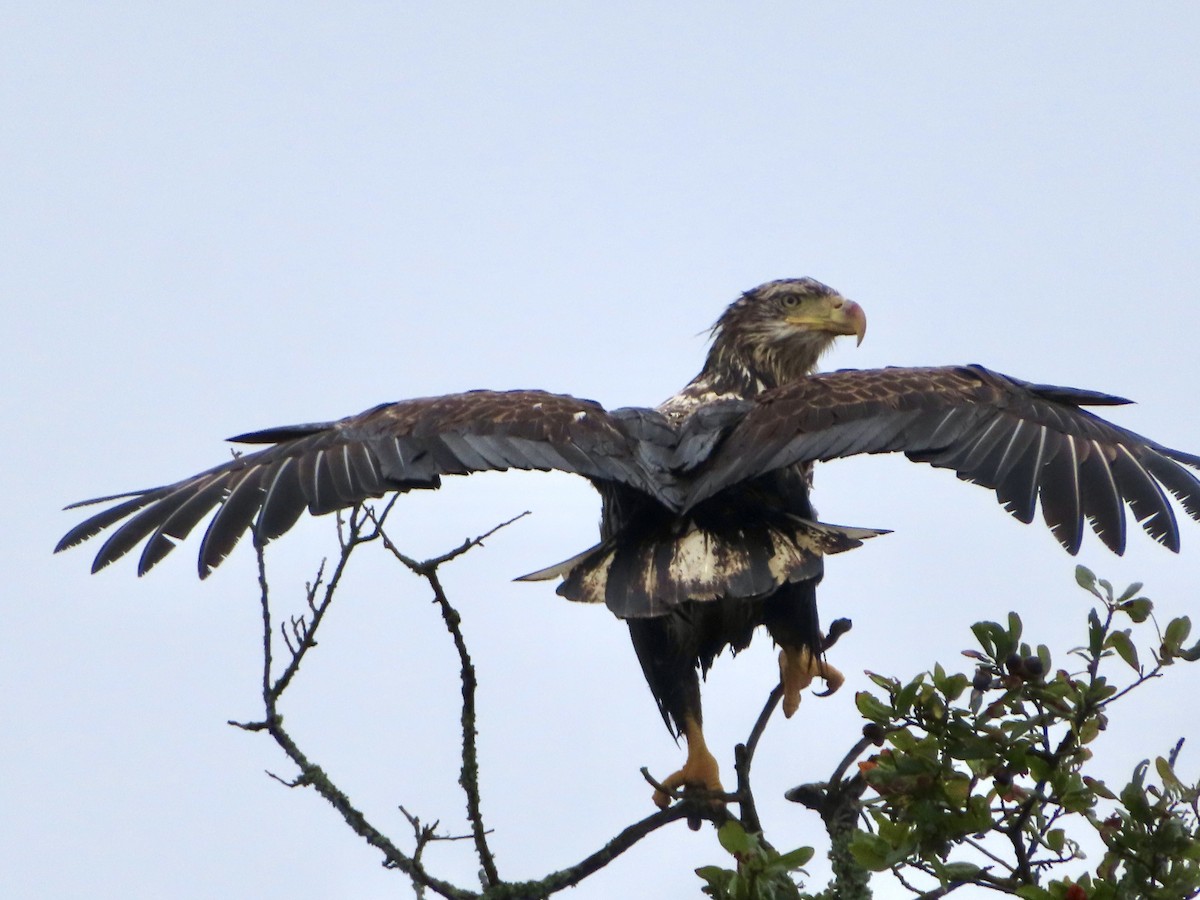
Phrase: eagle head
(777, 331)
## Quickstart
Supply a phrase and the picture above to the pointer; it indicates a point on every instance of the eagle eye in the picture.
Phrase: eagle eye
(790, 301)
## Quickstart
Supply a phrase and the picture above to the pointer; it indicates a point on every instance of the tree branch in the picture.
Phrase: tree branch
(302, 638)
(743, 759)
(569, 877)
(311, 774)
(468, 777)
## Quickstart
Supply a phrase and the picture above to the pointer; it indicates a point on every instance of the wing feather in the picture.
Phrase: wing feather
(93, 525)
(130, 534)
(1062, 503)
(186, 517)
(1147, 500)
(1178, 480)
(364, 472)
(1102, 500)
(283, 504)
(1018, 492)
(233, 517)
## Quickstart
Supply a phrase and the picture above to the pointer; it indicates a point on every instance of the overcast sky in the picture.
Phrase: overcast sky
(219, 217)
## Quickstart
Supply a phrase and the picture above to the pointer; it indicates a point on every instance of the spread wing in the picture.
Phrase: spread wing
(1023, 440)
(396, 446)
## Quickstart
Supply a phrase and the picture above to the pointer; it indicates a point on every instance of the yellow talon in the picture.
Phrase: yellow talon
(699, 771)
(797, 668)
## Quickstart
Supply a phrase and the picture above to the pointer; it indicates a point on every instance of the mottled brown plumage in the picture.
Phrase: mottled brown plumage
(707, 531)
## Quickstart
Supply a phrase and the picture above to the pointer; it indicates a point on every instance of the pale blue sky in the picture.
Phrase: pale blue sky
(219, 218)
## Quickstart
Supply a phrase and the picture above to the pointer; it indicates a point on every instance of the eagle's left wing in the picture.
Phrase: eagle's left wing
(1023, 440)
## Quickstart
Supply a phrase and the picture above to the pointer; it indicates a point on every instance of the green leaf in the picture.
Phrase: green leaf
(1088, 729)
(872, 708)
(991, 637)
(715, 876)
(795, 858)
(1167, 774)
(1138, 610)
(1120, 641)
(1129, 592)
(870, 852)
(1056, 839)
(1177, 632)
(960, 871)
(1191, 654)
(953, 686)
(1014, 627)
(957, 789)
(1085, 578)
(906, 695)
(1043, 653)
(1032, 891)
(979, 814)
(734, 839)
(902, 739)
(1099, 788)
(1095, 633)
(883, 681)
(1077, 800)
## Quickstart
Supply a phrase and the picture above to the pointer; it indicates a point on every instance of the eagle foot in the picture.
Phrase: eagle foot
(797, 669)
(700, 771)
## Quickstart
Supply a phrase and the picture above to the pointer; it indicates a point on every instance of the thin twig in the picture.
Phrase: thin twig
(848, 760)
(310, 774)
(265, 602)
(569, 877)
(743, 759)
(394, 857)
(468, 777)
(429, 565)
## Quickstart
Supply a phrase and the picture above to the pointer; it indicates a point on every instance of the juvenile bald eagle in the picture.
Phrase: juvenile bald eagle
(707, 531)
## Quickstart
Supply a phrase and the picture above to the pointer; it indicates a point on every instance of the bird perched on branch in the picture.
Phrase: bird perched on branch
(707, 531)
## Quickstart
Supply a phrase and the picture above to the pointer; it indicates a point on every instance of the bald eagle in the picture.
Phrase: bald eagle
(707, 531)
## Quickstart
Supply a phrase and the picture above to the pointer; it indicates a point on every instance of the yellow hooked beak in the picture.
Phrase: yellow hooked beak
(839, 316)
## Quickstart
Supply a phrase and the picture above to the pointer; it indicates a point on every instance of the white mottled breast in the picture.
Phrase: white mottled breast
(700, 392)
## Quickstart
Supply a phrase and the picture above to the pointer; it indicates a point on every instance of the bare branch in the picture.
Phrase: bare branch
(350, 536)
(310, 774)
(313, 775)
(319, 596)
(743, 758)
(423, 568)
(569, 877)
(848, 760)
(468, 777)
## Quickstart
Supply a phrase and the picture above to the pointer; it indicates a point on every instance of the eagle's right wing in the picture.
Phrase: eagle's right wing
(393, 447)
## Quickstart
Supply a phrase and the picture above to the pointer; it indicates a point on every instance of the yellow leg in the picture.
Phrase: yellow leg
(797, 668)
(700, 770)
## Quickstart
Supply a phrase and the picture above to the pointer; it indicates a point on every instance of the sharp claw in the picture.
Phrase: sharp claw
(699, 771)
(662, 799)
(797, 669)
(833, 678)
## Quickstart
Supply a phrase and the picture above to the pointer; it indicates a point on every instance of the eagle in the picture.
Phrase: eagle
(707, 531)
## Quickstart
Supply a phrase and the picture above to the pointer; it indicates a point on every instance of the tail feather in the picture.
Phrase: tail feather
(559, 570)
(647, 575)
